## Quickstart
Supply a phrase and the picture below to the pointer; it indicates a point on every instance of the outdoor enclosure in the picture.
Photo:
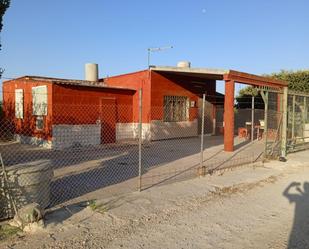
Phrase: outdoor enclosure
(85, 171)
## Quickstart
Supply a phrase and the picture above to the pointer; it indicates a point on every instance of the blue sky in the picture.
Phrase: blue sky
(55, 38)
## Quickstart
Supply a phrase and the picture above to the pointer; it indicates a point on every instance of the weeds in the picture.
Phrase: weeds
(7, 231)
(98, 207)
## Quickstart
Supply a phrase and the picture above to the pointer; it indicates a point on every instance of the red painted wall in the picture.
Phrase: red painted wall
(155, 86)
(135, 81)
(27, 125)
(66, 105)
(163, 86)
(83, 105)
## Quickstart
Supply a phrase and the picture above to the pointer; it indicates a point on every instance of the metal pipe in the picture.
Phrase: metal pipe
(202, 132)
(284, 121)
(265, 123)
(140, 140)
(252, 119)
(293, 118)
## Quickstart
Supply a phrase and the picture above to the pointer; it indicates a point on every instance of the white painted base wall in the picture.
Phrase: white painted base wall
(128, 131)
(165, 130)
(65, 136)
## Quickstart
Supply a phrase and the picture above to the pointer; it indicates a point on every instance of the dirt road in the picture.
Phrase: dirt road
(270, 210)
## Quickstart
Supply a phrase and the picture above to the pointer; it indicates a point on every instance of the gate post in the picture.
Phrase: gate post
(252, 119)
(265, 99)
(284, 121)
(293, 118)
(140, 139)
(202, 132)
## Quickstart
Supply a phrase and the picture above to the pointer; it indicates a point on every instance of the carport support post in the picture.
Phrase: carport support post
(229, 115)
(284, 121)
(140, 139)
(202, 132)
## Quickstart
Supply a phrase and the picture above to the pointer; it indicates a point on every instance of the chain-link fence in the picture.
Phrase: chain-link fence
(298, 122)
(73, 151)
(273, 124)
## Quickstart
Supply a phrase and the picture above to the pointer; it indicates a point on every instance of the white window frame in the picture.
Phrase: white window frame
(39, 100)
(19, 103)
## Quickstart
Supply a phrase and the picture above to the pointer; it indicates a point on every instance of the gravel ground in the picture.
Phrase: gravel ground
(244, 208)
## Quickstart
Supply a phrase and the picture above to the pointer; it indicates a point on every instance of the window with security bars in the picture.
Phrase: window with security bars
(176, 108)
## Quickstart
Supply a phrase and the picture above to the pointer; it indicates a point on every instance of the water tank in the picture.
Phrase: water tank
(27, 183)
(184, 64)
(91, 72)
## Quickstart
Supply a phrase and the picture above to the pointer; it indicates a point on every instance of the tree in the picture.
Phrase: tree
(297, 80)
(4, 5)
(244, 98)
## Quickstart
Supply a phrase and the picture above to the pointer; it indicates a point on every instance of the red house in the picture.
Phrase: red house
(59, 113)
(62, 113)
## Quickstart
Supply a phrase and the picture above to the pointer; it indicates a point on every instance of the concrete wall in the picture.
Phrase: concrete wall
(129, 131)
(165, 130)
(65, 136)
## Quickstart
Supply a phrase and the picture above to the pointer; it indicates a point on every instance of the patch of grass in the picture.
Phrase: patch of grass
(95, 206)
(7, 231)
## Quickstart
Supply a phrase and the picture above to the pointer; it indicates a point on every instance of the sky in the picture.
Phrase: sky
(56, 38)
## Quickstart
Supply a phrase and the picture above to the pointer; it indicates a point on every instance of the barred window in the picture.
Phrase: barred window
(176, 108)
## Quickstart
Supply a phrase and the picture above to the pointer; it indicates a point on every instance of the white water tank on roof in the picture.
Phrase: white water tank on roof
(91, 72)
(184, 64)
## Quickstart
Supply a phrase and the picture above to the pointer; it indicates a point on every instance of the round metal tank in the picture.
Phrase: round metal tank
(27, 183)
(91, 72)
(184, 64)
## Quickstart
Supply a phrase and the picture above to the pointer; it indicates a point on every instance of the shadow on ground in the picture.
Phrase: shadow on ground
(299, 236)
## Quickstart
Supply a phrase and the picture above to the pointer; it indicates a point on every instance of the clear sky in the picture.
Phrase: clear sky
(55, 38)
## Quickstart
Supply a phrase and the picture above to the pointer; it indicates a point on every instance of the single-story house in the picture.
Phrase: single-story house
(61, 112)
(58, 113)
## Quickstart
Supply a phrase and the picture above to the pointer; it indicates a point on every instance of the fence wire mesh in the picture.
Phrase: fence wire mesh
(298, 122)
(74, 150)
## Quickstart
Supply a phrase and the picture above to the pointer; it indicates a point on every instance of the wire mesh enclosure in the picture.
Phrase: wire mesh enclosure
(73, 150)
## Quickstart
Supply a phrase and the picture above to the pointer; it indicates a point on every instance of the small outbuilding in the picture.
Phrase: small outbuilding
(60, 113)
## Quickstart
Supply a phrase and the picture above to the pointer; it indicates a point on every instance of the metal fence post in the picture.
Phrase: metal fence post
(202, 132)
(304, 116)
(284, 121)
(252, 119)
(293, 118)
(265, 98)
(140, 126)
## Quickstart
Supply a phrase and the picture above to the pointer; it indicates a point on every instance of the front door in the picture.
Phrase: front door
(108, 120)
